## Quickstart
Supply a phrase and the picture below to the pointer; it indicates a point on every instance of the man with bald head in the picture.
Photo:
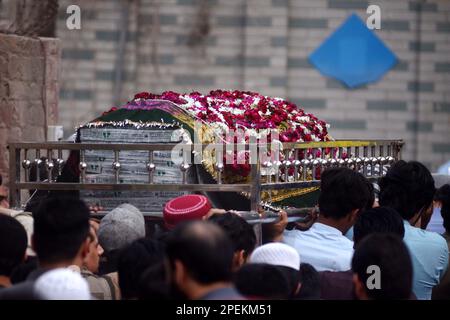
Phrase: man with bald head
(201, 256)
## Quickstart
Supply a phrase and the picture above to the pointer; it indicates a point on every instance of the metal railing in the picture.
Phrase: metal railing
(302, 159)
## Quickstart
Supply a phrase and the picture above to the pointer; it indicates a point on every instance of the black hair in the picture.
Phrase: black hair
(371, 199)
(341, 191)
(134, 259)
(108, 262)
(238, 230)
(389, 254)
(154, 283)
(13, 244)
(310, 280)
(61, 225)
(261, 280)
(408, 187)
(204, 249)
(293, 278)
(443, 196)
(378, 220)
(23, 270)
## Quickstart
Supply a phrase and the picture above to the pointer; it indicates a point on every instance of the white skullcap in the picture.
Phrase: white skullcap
(62, 284)
(277, 254)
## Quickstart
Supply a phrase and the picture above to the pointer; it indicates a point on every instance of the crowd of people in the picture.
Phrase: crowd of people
(358, 245)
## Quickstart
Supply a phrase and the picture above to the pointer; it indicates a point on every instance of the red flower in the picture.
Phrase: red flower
(110, 110)
(142, 95)
(255, 111)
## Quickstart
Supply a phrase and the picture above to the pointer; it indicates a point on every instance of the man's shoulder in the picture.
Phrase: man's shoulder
(318, 235)
(426, 246)
(296, 237)
(21, 291)
(426, 238)
(347, 243)
(103, 287)
(228, 293)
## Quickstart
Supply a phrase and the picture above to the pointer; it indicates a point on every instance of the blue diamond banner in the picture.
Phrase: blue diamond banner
(353, 54)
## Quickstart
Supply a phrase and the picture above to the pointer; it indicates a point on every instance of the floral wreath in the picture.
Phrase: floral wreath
(255, 113)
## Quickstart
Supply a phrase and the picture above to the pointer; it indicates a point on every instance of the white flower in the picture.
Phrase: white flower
(198, 104)
(222, 126)
(190, 101)
(304, 119)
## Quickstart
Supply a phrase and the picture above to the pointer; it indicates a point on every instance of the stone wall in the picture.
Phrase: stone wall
(28, 90)
(263, 45)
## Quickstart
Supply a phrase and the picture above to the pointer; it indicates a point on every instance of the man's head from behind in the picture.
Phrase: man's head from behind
(343, 194)
(200, 256)
(13, 244)
(185, 208)
(284, 258)
(121, 227)
(378, 220)
(240, 233)
(61, 228)
(133, 261)
(382, 268)
(263, 281)
(61, 284)
(442, 199)
(408, 187)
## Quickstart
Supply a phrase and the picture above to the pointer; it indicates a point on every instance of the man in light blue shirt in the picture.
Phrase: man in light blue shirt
(408, 187)
(344, 193)
(429, 254)
(322, 246)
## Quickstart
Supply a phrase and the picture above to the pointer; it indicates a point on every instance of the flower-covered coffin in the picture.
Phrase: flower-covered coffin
(220, 116)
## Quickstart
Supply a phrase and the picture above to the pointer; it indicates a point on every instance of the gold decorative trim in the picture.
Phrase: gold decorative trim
(284, 194)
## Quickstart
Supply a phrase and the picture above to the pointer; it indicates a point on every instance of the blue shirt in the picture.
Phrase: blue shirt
(322, 246)
(436, 223)
(227, 293)
(349, 234)
(429, 255)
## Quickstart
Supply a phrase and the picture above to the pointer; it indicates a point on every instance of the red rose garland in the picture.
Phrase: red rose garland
(249, 110)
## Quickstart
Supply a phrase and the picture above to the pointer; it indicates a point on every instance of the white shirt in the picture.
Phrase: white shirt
(322, 246)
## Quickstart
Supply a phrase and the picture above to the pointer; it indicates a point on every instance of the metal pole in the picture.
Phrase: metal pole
(255, 199)
(14, 175)
(255, 192)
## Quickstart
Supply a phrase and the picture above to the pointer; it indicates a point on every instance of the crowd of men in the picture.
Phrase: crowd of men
(358, 245)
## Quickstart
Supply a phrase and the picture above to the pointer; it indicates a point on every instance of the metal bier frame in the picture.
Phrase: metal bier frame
(300, 166)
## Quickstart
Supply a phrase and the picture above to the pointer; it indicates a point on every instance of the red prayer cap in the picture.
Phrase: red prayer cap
(184, 208)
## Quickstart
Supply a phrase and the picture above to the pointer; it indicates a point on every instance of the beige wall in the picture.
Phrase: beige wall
(28, 90)
(263, 45)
